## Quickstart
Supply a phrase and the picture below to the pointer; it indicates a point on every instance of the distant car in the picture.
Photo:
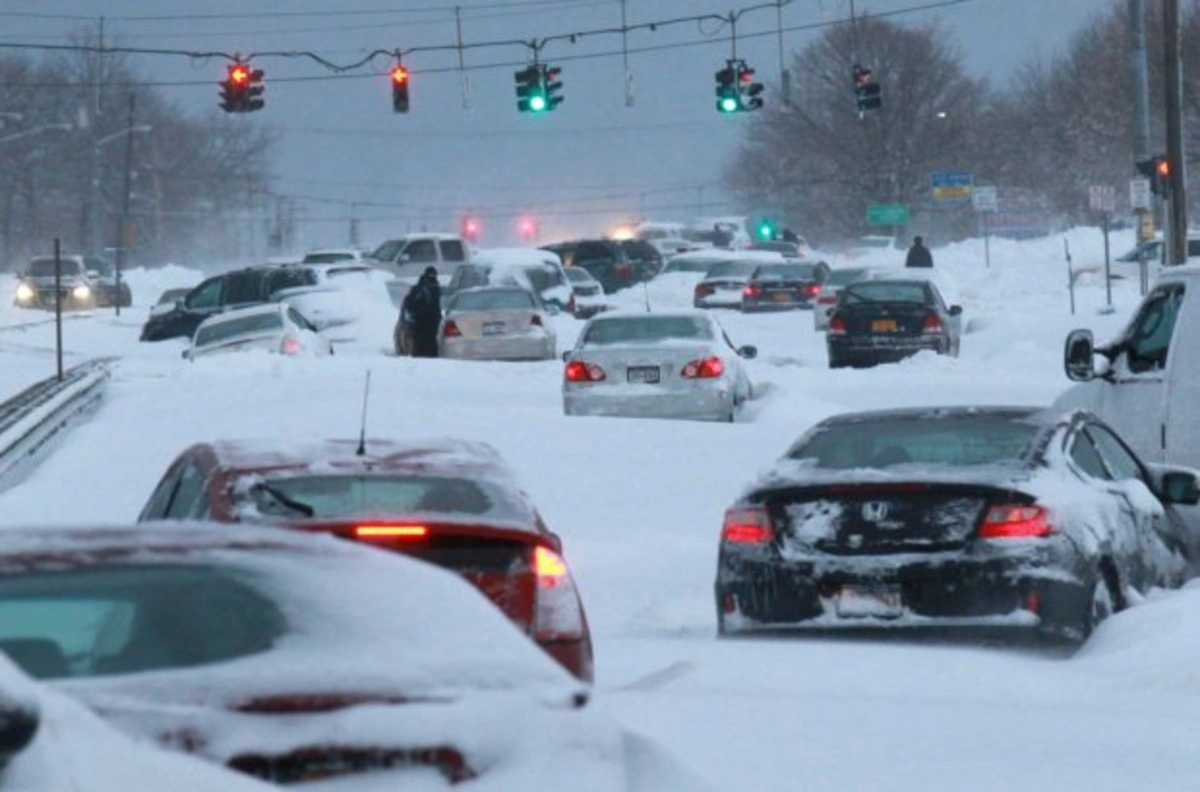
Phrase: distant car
(330, 295)
(299, 658)
(605, 259)
(496, 323)
(336, 256)
(276, 327)
(536, 270)
(670, 247)
(407, 257)
(168, 300)
(656, 365)
(646, 258)
(884, 321)
(784, 286)
(248, 286)
(722, 285)
(869, 243)
(1015, 519)
(589, 294)
(86, 282)
(780, 246)
(833, 285)
(452, 503)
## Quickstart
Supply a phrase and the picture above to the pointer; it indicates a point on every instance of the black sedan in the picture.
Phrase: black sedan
(884, 321)
(781, 287)
(1016, 519)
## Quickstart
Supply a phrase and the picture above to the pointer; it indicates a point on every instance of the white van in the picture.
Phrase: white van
(1147, 383)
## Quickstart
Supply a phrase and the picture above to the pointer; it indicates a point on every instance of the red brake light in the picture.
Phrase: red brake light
(450, 329)
(535, 320)
(751, 291)
(747, 525)
(390, 531)
(828, 299)
(837, 325)
(932, 324)
(549, 567)
(578, 371)
(1014, 521)
(708, 368)
(558, 615)
(572, 306)
(812, 289)
(290, 346)
(703, 290)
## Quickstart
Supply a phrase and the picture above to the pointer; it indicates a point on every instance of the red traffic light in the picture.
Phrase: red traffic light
(527, 226)
(239, 74)
(399, 75)
(470, 227)
(1163, 168)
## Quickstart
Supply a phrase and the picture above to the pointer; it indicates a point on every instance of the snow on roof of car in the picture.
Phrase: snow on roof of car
(515, 257)
(719, 254)
(434, 453)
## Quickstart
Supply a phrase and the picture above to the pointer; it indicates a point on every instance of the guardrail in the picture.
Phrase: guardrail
(34, 420)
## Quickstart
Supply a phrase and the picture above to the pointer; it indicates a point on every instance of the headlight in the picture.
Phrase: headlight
(81, 292)
(24, 292)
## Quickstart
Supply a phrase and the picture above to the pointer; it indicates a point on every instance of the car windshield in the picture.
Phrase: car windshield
(954, 442)
(731, 269)
(785, 272)
(577, 275)
(121, 619)
(170, 296)
(327, 258)
(884, 291)
(338, 496)
(243, 325)
(636, 329)
(44, 267)
(493, 300)
(844, 277)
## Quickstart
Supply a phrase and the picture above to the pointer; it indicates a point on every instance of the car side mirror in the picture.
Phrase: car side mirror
(1078, 356)
(1182, 487)
(956, 310)
(748, 351)
(566, 356)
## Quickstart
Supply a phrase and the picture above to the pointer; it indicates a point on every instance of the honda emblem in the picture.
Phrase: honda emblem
(875, 511)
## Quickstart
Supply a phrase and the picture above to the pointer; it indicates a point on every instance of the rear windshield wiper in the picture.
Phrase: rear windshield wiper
(282, 498)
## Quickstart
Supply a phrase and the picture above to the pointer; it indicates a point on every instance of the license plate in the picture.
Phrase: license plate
(493, 328)
(645, 375)
(860, 602)
(781, 297)
(883, 326)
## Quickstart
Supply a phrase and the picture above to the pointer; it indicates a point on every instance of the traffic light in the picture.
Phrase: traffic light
(866, 91)
(470, 228)
(551, 85)
(399, 89)
(765, 229)
(1158, 171)
(254, 100)
(728, 90)
(536, 86)
(748, 90)
(527, 227)
(241, 90)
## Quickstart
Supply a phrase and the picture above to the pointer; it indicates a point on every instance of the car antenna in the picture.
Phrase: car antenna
(362, 431)
(646, 294)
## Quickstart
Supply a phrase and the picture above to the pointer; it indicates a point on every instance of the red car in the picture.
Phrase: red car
(451, 503)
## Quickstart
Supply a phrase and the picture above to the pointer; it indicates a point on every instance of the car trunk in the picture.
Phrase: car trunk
(879, 519)
(725, 287)
(645, 365)
(785, 290)
(494, 324)
(899, 319)
(270, 341)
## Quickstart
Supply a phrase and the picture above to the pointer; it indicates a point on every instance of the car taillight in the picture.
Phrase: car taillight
(572, 306)
(747, 525)
(625, 270)
(812, 289)
(828, 299)
(535, 320)
(578, 371)
(837, 325)
(751, 291)
(390, 531)
(703, 290)
(932, 324)
(290, 346)
(708, 368)
(450, 329)
(1014, 521)
(558, 615)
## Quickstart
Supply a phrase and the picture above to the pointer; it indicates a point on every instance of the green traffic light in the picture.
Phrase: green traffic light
(537, 103)
(766, 230)
(729, 105)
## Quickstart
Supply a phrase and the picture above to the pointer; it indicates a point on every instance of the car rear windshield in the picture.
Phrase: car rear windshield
(884, 291)
(785, 272)
(390, 496)
(958, 442)
(577, 275)
(327, 258)
(243, 325)
(44, 267)
(543, 277)
(647, 329)
(731, 269)
(844, 277)
(122, 619)
(498, 300)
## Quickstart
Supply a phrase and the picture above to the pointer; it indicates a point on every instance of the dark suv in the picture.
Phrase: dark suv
(250, 286)
(604, 259)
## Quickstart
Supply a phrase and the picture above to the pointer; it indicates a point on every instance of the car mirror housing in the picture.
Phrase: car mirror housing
(566, 356)
(749, 351)
(1078, 354)
(956, 310)
(1181, 487)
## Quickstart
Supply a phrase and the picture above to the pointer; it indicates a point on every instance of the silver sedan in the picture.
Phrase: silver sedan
(496, 323)
(656, 365)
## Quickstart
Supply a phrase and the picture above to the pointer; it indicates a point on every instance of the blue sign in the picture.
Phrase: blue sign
(951, 179)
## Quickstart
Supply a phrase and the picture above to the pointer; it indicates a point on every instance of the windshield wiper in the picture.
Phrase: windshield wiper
(284, 500)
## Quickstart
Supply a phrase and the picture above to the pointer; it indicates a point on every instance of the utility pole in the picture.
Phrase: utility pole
(91, 232)
(1141, 94)
(123, 235)
(1176, 222)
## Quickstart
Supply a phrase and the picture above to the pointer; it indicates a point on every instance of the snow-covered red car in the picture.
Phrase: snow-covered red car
(449, 502)
(295, 657)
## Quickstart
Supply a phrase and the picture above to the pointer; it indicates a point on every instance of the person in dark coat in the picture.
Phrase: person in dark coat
(423, 310)
(918, 254)
(721, 238)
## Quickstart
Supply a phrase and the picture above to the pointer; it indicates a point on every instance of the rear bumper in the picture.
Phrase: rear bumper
(889, 350)
(503, 348)
(719, 300)
(701, 404)
(763, 306)
(965, 593)
(575, 656)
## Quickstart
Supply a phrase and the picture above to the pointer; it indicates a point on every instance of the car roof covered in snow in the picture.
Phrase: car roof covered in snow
(633, 313)
(1039, 415)
(416, 456)
(720, 254)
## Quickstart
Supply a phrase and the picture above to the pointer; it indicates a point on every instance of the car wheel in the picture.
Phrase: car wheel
(1102, 604)
(836, 362)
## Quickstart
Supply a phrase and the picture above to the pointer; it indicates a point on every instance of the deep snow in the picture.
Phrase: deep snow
(639, 502)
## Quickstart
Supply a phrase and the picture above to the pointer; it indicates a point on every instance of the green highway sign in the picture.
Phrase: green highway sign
(887, 214)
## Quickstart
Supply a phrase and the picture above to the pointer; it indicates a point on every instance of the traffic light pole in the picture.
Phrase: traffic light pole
(1176, 220)
(123, 223)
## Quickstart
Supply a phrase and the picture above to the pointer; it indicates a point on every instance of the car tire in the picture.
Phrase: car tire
(1102, 604)
(836, 362)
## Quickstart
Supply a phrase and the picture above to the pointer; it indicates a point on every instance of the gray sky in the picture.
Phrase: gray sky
(580, 168)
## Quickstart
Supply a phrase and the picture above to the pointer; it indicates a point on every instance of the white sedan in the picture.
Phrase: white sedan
(656, 365)
(274, 327)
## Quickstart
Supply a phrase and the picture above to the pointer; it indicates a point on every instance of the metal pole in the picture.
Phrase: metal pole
(1070, 274)
(1107, 266)
(93, 224)
(58, 352)
(123, 224)
(462, 67)
(987, 242)
(1141, 99)
(1173, 72)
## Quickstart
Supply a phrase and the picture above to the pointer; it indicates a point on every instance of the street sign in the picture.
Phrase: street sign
(887, 214)
(1102, 198)
(1139, 193)
(951, 185)
(985, 199)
